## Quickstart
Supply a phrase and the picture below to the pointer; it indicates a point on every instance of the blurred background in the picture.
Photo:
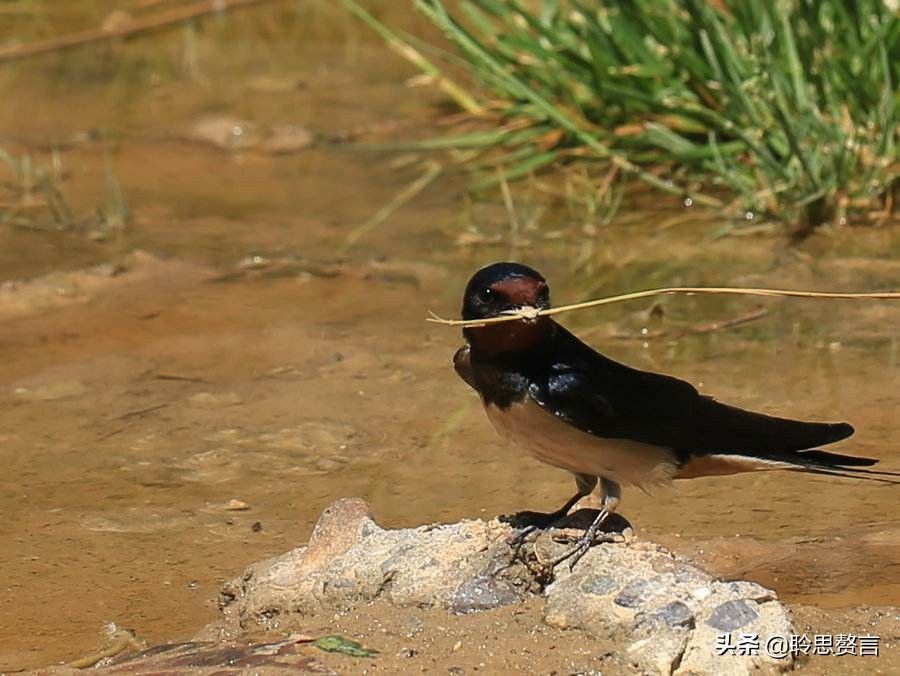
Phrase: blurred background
(222, 225)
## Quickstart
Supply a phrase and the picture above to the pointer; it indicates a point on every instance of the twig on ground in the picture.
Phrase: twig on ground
(698, 329)
(740, 320)
(127, 29)
(141, 411)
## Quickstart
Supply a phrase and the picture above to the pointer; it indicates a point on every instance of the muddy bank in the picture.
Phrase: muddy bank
(465, 598)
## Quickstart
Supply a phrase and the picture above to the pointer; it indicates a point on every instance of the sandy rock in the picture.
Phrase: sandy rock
(351, 560)
(665, 613)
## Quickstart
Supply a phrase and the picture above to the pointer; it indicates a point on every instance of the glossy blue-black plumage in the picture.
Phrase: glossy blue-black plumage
(609, 399)
(605, 398)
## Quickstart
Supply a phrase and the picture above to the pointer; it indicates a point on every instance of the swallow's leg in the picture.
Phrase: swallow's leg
(583, 482)
(610, 500)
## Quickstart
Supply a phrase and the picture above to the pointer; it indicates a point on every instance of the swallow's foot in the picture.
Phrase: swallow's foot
(582, 545)
(592, 535)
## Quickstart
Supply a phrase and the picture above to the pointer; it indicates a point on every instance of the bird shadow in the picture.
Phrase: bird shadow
(577, 520)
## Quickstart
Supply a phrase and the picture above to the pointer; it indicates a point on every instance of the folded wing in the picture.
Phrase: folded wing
(608, 399)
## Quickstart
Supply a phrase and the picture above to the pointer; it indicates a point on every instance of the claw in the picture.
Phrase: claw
(521, 537)
(583, 544)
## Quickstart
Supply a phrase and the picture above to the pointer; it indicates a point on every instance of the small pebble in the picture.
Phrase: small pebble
(701, 593)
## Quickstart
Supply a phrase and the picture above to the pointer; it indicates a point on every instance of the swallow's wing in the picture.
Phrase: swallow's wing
(611, 400)
(664, 411)
(608, 399)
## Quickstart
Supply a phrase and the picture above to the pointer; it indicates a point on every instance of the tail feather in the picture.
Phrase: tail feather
(817, 461)
(834, 459)
(811, 461)
(847, 475)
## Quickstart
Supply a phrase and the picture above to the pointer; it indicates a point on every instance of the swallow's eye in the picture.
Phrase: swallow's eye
(486, 295)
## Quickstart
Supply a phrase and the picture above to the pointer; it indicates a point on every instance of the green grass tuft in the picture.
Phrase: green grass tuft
(787, 108)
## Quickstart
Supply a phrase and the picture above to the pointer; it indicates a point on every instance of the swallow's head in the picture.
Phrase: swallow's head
(500, 289)
(504, 288)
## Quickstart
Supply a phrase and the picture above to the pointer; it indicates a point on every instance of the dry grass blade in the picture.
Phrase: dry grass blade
(432, 171)
(415, 57)
(689, 290)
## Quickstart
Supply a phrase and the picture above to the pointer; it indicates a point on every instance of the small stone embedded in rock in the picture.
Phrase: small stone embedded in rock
(635, 594)
(599, 586)
(732, 615)
(676, 614)
(701, 593)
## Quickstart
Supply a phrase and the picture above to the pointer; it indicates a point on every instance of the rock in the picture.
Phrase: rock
(236, 134)
(351, 560)
(666, 613)
(225, 132)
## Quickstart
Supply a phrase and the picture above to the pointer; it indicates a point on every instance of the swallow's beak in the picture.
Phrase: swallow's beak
(530, 313)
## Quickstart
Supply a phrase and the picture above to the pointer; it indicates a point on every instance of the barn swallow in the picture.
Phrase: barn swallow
(610, 424)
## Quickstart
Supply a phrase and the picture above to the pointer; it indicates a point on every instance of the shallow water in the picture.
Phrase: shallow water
(140, 398)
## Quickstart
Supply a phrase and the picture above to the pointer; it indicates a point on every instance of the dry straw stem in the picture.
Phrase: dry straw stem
(689, 290)
(402, 47)
(432, 171)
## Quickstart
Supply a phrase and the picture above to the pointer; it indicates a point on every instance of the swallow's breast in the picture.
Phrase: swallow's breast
(555, 442)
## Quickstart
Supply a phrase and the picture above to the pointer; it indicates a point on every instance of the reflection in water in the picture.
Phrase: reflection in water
(146, 397)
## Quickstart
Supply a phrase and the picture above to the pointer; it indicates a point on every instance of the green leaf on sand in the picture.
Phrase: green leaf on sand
(339, 644)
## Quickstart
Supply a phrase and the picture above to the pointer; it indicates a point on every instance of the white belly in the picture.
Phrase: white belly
(556, 442)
